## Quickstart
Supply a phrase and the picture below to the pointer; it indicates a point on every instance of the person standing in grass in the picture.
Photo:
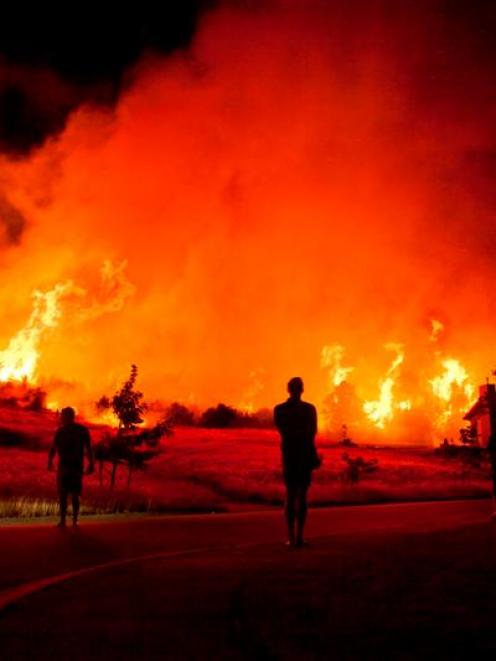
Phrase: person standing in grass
(71, 442)
(296, 422)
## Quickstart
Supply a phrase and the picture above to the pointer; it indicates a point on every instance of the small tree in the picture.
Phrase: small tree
(128, 406)
(127, 403)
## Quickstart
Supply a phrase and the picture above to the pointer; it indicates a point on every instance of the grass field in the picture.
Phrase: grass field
(201, 470)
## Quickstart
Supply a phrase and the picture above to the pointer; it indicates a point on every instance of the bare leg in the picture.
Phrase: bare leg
(63, 507)
(290, 512)
(302, 514)
(75, 509)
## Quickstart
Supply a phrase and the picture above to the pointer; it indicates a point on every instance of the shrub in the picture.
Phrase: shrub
(22, 395)
(10, 438)
(219, 417)
(472, 455)
(357, 467)
(179, 414)
(261, 419)
(222, 416)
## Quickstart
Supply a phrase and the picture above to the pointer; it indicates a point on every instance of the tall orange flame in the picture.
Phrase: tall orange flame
(19, 360)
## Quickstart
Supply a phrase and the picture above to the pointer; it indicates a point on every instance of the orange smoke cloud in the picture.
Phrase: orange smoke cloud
(279, 187)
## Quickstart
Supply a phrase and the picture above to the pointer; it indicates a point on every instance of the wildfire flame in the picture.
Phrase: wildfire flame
(441, 400)
(331, 358)
(19, 360)
(381, 410)
(448, 387)
(454, 375)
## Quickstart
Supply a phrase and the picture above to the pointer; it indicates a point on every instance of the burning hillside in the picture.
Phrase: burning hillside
(304, 189)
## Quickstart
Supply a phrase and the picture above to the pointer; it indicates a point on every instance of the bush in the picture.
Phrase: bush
(179, 414)
(357, 467)
(223, 416)
(261, 419)
(219, 417)
(472, 455)
(21, 395)
(10, 438)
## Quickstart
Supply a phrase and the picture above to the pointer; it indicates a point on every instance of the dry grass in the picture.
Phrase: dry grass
(27, 508)
(215, 470)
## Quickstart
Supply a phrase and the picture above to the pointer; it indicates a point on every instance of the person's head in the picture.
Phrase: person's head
(67, 415)
(295, 387)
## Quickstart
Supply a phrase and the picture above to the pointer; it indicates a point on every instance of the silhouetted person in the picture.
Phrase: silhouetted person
(70, 443)
(297, 423)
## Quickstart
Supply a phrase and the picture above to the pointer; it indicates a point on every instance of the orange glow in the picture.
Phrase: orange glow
(275, 189)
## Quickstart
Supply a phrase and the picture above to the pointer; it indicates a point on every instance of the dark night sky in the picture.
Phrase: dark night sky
(90, 50)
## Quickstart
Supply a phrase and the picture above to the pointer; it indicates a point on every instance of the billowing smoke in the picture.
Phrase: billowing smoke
(304, 174)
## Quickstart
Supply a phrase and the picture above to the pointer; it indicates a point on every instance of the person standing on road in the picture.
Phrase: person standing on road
(296, 421)
(71, 442)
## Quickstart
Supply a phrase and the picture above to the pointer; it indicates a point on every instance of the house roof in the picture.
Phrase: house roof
(479, 408)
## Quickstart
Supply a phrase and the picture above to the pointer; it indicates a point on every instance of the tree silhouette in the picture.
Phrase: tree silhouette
(127, 403)
(128, 406)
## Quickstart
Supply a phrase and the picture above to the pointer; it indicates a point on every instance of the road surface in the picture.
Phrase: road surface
(393, 581)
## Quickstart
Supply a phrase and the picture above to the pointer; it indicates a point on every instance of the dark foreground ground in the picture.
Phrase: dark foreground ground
(397, 581)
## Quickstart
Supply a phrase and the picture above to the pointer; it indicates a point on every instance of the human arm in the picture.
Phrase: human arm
(316, 460)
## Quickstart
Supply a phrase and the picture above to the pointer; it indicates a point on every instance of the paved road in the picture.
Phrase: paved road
(376, 581)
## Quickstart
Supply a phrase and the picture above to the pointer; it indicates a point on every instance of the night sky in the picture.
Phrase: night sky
(88, 51)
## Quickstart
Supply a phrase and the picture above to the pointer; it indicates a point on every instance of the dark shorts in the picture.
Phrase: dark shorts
(70, 482)
(297, 477)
